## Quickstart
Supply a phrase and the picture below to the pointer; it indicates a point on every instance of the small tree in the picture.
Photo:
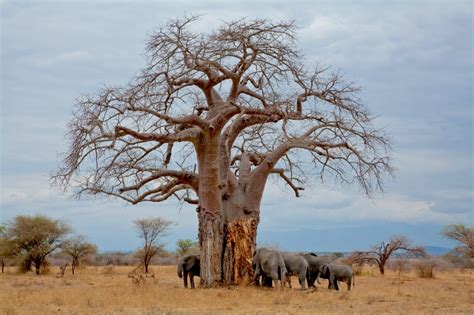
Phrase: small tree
(150, 230)
(34, 238)
(400, 265)
(77, 248)
(185, 246)
(380, 254)
(465, 237)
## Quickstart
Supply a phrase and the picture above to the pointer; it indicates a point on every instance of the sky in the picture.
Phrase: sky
(413, 59)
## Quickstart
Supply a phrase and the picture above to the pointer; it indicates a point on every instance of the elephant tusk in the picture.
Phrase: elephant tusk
(249, 260)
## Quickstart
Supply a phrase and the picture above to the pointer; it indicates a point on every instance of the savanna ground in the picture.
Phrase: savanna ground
(109, 290)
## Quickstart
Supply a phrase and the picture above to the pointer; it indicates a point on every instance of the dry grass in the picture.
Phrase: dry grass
(109, 290)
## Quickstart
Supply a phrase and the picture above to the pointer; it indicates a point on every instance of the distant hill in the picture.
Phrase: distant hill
(437, 251)
(431, 250)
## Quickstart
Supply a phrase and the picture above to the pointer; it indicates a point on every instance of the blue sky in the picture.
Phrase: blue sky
(414, 60)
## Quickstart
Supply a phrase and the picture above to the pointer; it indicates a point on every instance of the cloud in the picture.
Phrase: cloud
(320, 206)
(23, 188)
(415, 64)
(330, 28)
(64, 58)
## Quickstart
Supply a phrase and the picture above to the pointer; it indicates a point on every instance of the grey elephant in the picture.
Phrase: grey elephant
(269, 264)
(315, 262)
(336, 272)
(189, 266)
(296, 265)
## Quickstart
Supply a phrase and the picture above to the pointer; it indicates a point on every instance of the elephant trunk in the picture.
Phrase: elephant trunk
(317, 278)
(180, 270)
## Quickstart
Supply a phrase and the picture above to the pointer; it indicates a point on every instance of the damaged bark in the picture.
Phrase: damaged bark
(241, 235)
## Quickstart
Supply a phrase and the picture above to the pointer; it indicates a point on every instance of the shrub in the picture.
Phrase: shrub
(425, 267)
(399, 265)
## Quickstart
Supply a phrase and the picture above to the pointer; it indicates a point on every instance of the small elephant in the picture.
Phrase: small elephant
(335, 272)
(189, 266)
(296, 265)
(315, 262)
(269, 265)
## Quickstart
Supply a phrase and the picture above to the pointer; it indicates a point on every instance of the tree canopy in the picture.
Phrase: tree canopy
(35, 237)
(464, 236)
(380, 254)
(77, 248)
(210, 118)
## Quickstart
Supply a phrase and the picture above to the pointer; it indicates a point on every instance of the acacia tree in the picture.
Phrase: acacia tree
(34, 238)
(464, 235)
(184, 246)
(209, 120)
(77, 248)
(380, 254)
(150, 231)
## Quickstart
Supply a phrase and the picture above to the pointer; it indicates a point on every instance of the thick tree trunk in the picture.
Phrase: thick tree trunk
(211, 241)
(211, 236)
(382, 268)
(241, 211)
(240, 237)
(37, 267)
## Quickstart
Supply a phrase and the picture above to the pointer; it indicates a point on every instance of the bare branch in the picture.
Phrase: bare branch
(281, 172)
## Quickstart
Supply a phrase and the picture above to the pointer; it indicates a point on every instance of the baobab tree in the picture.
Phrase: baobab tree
(210, 119)
(380, 254)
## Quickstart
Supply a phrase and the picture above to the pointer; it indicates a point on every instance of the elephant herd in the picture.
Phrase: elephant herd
(273, 268)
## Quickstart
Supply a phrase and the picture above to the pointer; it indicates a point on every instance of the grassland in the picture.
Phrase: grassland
(108, 290)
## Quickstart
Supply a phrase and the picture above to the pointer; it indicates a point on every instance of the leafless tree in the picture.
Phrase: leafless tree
(380, 254)
(151, 231)
(400, 265)
(210, 119)
(78, 249)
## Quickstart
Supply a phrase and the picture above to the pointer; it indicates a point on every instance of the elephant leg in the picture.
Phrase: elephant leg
(336, 285)
(256, 275)
(267, 282)
(349, 283)
(191, 279)
(312, 279)
(302, 279)
(333, 282)
(256, 280)
(185, 278)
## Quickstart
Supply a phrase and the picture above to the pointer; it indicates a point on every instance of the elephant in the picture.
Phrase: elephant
(189, 266)
(315, 262)
(296, 265)
(336, 272)
(269, 264)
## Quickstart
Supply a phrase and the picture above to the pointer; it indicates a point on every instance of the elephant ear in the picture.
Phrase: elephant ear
(191, 262)
(325, 270)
